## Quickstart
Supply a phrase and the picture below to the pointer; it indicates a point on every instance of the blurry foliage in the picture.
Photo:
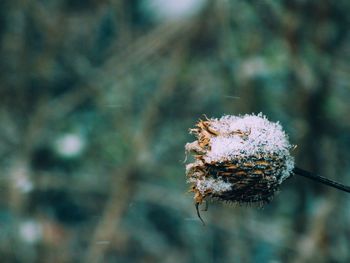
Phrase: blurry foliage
(126, 79)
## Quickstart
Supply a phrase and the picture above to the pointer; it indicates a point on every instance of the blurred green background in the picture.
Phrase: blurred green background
(96, 99)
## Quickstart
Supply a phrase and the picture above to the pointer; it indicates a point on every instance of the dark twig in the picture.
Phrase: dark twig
(198, 214)
(321, 179)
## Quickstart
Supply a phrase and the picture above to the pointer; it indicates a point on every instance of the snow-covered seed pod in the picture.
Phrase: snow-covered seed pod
(241, 159)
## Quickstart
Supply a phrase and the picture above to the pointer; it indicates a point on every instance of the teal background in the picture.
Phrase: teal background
(96, 99)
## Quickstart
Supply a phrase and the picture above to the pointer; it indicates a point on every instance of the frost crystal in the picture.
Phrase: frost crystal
(216, 186)
(261, 135)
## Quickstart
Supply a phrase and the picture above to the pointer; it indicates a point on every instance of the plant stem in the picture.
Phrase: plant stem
(321, 179)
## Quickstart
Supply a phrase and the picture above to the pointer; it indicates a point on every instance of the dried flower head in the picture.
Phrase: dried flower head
(238, 158)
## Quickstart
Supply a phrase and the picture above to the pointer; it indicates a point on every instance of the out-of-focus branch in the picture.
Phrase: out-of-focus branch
(123, 183)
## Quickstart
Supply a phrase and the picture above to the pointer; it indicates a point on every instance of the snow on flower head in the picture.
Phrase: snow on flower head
(259, 135)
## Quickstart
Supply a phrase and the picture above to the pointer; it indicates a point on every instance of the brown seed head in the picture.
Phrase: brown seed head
(238, 158)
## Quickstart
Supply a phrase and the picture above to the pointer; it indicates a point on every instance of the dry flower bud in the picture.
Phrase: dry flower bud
(238, 158)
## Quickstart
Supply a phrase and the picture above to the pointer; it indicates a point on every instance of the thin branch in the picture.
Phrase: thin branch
(321, 179)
